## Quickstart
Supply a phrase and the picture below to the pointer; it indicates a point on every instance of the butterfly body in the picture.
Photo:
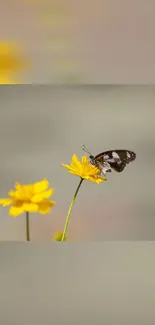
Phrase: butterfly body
(112, 160)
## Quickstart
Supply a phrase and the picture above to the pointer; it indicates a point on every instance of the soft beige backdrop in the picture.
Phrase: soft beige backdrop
(83, 41)
(111, 283)
(42, 126)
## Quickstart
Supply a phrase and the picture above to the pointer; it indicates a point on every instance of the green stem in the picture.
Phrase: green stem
(69, 211)
(27, 226)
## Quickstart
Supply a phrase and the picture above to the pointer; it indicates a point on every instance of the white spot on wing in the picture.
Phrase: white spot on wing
(115, 155)
(128, 154)
(106, 157)
(115, 158)
(106, 168)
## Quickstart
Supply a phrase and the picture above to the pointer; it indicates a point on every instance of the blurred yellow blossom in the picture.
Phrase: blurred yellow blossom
(29, 198)
(84, 169)
(11, 62)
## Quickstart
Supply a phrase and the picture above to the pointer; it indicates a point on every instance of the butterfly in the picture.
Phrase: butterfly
(111, 159)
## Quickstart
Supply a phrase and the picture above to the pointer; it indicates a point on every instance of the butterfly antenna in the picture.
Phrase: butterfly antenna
(86, 150)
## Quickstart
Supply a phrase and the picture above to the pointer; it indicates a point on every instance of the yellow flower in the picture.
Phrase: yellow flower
(10, 62)
(84, 169)
(29, 198)
(58, 236)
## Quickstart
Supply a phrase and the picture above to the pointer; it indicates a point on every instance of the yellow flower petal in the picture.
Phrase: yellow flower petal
(84, 160)
(16, 210)
(6, 202)
(24, 193)
(12, 193)
(17, 185)
(28, 188)
(67, 166)
(30, 207)
(44, 195)
(75, 162)
(45, 206)
(40, 186)
(97, 180)
(72, 170)
(78, 173)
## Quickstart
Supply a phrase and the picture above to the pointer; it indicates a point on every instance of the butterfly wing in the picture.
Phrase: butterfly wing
(117, 159)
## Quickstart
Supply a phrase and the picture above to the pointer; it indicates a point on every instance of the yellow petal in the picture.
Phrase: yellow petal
(28, 188)
(12, 193)
(69, 167)
(97, 180)
(24, 193)
(40, 186)
(93, 172)
(44, 195)
(45, 206)
(84, 160)
(66, 166)
(17, 185)
(6, 202)
(30, 207)
(16, 210)
(75, 162)
(77, 173)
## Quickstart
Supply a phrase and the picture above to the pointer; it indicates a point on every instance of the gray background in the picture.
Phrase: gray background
(110, 283)
(42, 126)
(97, 41)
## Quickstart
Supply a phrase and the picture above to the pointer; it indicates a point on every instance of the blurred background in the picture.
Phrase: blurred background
(57, 41)
(52, 283)
(43, 126)
(84, 42)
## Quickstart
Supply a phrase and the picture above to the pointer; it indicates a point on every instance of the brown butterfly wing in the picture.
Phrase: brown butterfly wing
(118, 163)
